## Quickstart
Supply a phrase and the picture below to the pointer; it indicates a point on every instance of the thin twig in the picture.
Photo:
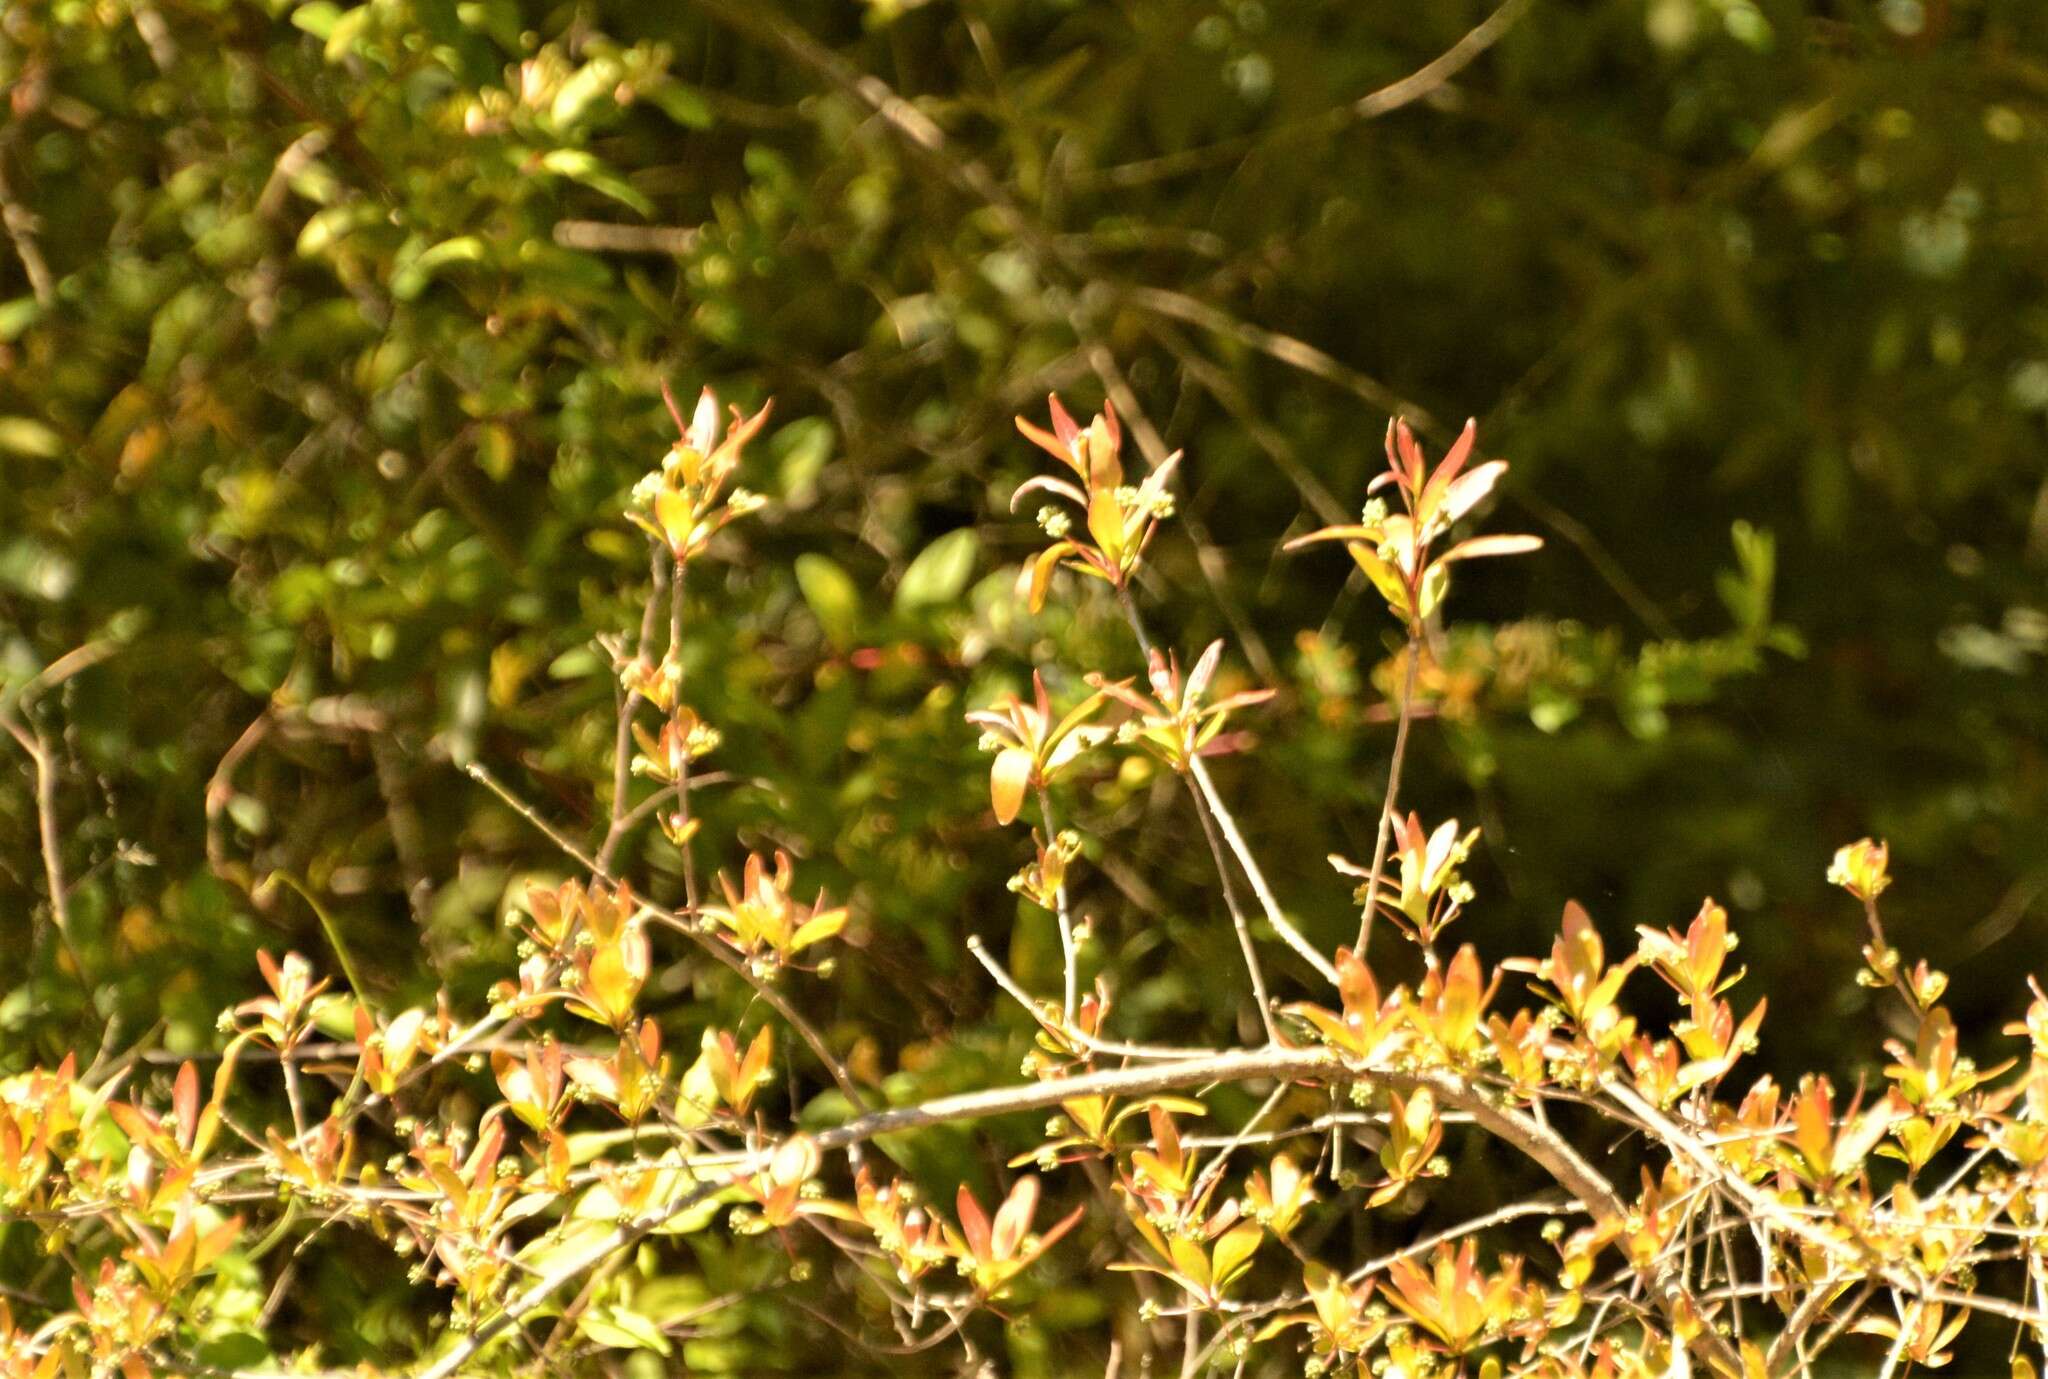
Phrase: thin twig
(1423, 82)
(41, 756)
(675, 656)
(1253, 968)
(623, 818)
(1284, 927)
(1388, 805)
(606, 237)
(482, 774)
(1287, 349)
(1093, 1043)
(22, 224)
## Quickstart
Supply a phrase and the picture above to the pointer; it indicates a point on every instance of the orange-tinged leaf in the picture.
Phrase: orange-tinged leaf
(134, 1122)
(1336, 533)
(1062, 422)
(1039, 577)
(1060, 1228)
(185, 1103)
(1447, 469)
(974, 1226)
(1489, 546)
(1044, 440)
(1335, 1029)
(1009, 778)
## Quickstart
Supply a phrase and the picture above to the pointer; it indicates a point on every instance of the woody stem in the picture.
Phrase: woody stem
(1237, 916)
(623, 814)
(1225, 822)
(1882, 952)
(675, 651)
(1379, 847)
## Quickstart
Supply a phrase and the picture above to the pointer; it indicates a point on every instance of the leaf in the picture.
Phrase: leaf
(1039, 577)
(317, 18)
(672, 1184)
(326, 228)
(1383, 574)
(1468, 490)
(974, 1227)
(1013, 1218)
(801, 449)
(411, 280)
(672, 513)
(682, 103)
(1233, 1253)
(817, 930)
(578, 166)
(1106, 522)
(27, 436)
(1008, 779)
(939, 573)
(342, 36)
(17, 316)
(622, 1329)
(589, 84)
(832, 595)
(1491, 545)
(695, 1098)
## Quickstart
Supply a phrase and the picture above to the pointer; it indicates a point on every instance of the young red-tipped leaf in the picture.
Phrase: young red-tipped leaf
(1058, 1229)
(974, 1227)
(745, 428)
(675, 410)
(1409, 462)
(1062, 424)
(1448, 468)
(1045, 441)
(185, 1102)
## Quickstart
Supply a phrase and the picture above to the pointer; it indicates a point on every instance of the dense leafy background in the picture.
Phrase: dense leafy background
(330, 344)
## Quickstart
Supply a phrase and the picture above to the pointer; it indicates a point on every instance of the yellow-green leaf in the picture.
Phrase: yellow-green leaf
(939, 573)
(832, 596)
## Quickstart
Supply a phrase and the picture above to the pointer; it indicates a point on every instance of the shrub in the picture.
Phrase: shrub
(542, 1164)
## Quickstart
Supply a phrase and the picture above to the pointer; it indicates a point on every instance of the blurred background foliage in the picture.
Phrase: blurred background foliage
(330, 345)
